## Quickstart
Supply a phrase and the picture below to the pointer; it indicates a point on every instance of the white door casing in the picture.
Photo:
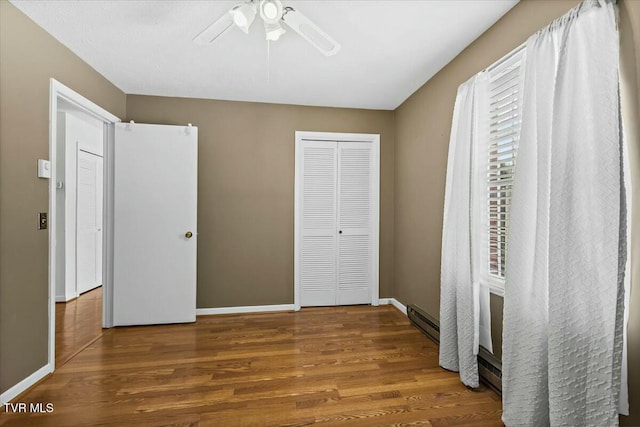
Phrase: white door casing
(336, 219)
(154, 207)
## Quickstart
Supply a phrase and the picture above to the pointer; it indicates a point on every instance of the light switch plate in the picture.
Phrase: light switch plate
(44, 168)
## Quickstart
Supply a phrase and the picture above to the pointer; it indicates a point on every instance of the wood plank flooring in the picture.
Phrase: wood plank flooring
(355, 366)
(78, 322)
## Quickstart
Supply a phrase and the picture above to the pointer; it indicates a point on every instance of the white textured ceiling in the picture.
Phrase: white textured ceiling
(389, 48)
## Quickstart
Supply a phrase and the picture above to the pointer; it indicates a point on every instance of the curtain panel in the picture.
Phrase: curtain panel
(458, 323)
(465, 318)
(564, 291)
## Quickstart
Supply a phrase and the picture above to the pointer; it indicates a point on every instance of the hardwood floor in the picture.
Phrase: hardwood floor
(78, 322)
(357, 366)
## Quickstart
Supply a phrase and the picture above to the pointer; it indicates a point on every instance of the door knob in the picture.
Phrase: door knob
(188, 234)
(340, 232)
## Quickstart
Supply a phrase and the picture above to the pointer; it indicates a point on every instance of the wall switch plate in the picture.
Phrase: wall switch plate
(43, 221)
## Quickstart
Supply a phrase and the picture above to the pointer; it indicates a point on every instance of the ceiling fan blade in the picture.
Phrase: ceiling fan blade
(310, 32)
(215, 30)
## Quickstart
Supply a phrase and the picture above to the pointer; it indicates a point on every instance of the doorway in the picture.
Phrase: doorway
(77, 142)
(79, 192)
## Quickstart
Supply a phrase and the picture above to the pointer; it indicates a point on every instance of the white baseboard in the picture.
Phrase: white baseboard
(19, 388)
(66, 298)
(245, 309)
(394, 302)
(281, 307)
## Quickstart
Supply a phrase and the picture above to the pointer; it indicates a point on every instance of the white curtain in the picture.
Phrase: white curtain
(462, 311)
(563, 305)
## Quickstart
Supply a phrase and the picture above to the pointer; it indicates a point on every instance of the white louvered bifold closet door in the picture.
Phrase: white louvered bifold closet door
(336, 259)
(354, 223)
(318, 215)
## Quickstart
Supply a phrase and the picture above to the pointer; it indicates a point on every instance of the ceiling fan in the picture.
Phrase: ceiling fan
(273, 14)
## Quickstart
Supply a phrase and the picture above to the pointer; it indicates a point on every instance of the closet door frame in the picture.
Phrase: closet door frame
(374, 140)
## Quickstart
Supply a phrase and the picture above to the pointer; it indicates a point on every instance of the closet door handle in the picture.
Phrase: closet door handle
(340, 232)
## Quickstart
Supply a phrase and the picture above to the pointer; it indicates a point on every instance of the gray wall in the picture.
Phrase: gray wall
(245, 190)
(28, 58)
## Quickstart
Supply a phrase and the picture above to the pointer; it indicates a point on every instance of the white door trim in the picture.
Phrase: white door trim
(374, 139)
(59, 91)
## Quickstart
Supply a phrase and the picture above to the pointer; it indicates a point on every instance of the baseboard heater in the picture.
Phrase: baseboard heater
(489, 367)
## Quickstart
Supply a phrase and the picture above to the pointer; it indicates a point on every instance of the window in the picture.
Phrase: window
(504, 109)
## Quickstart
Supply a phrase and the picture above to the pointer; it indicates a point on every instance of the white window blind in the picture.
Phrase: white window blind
(504, 134)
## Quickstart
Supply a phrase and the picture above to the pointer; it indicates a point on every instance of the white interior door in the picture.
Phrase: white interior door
(100, 214)
(88, 221)
(318, 211)
(336, 222)
(155, 220)
(354, 223)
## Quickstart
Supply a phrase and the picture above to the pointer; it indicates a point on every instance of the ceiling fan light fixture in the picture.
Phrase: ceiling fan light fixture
(243, 16)
(273, 31)
(273, 15)
(271, 11)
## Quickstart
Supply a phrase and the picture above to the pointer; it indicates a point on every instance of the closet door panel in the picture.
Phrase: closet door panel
(354, 223)
(318, 211)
